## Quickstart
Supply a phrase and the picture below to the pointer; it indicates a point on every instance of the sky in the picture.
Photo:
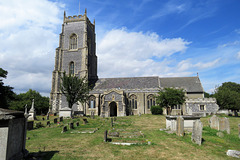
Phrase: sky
(166, 38)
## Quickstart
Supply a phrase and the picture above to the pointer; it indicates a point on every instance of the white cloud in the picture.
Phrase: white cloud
(123, 53)
(28, 40)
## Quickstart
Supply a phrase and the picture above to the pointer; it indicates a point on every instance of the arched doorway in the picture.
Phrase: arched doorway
(113, 109)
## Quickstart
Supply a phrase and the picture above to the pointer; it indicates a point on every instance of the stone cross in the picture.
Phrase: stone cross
(180, 126)
(197, 132)
(105, 136)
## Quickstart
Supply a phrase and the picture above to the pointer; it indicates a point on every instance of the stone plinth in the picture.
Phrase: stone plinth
(65, 112)
(171, 122)
(197, 132)
(13, 129)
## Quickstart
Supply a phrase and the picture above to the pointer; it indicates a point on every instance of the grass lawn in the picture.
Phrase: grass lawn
(50, 143)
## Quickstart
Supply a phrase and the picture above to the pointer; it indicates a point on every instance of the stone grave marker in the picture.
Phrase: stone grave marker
(105, 136)
(85, 121)
(224, 125)
(60, 119)
(239, 130)
(48, 123)
(55, 120)
(30, 125)
(71, 125)
(92, 115)
(214, 122)
(235, 113)
(180, 126)
(47, 117)
(77, 123)
(64, 129)
(197, 132)
(43, 118)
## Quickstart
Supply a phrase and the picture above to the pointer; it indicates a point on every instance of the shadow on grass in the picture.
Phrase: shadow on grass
(45, 155)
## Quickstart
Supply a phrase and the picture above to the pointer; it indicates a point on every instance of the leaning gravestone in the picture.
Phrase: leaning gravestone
(197, 132)
(214, 122)
(180, 126)
(55, 120)
(224, 125)
(85, 121)
(71, 125)
(64, 129)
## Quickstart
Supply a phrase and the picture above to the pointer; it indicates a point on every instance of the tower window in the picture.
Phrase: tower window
(92, 102)
(71, 68)
(73, 41)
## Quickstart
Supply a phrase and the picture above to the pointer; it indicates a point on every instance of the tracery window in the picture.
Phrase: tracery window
(71, 68)
(133, 101)
(150, 101)
(202, 107)
(92, 102)
(73, 41)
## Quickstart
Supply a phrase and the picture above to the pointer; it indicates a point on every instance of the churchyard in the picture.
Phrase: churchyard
(86, 141)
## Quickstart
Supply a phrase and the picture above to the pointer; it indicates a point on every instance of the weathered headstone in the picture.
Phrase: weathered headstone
(92, 114)
(30, 125)
(71, 125)
(77, 123)
(55, 120)
(47, 117)
(48, 123)
(235, 113)
(233, 153)
(43, 118)
(60, 119)
(197, 132)
(113, 134)
(239, 130)
(180, 126)
(105, 136)
(224, 125)
(85, 121)
(64, 129)
(214, 122)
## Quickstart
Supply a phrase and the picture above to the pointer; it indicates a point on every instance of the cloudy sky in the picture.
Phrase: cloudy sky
(166, 38)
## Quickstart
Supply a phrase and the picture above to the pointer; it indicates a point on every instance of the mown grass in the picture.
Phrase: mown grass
(50, 143)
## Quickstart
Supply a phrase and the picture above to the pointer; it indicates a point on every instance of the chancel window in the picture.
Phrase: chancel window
(133, 101)
(92, 102)
(71, 68)
(73, 41)
(150, 101)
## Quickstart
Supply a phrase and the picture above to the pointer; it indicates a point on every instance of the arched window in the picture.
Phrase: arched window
(71, 68)
(73, 41)
(92, 102)
(150, 101)
(133, 101)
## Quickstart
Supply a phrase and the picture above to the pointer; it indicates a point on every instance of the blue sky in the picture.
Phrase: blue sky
(166, 38)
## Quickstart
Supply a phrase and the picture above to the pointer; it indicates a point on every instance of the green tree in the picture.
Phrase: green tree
(6, 93)
(41, 103)
(170, 97)
(228, 96)
(75, 89)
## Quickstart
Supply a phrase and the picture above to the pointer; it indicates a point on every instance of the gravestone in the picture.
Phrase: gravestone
(180, 126)
(60, 119)
(239, 130)
(43, 118)
(105, 136)
(111, 122)
(92, 114)
(47, 117)
(235, 113)
(32, 112)
(71, 125)
(13, 129)
(214, 122)
(197, 132)
(113, 134)
(233, 153)
(48, 123)
(115, 118)
(85, 121)
(224, 125)
(77, 123)
(64, 129)
(30, 125)
(55, 120)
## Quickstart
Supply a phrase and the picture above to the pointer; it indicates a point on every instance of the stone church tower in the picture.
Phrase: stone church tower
(75, 55)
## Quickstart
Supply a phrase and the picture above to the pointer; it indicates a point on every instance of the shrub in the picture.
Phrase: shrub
(156, 110)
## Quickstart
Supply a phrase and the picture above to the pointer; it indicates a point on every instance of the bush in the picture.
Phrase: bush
(156, 110)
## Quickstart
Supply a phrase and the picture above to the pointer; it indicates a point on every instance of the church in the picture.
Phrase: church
(76, 55)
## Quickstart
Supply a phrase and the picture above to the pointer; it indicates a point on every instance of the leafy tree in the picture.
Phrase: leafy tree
(156, 110)
(6, 93)
(228, 96)
(41, 103)
(170, 97)
(75, 89)
(207, 95)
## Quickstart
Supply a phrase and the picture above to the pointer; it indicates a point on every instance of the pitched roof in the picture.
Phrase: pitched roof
(127, 83)
(191, 84)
